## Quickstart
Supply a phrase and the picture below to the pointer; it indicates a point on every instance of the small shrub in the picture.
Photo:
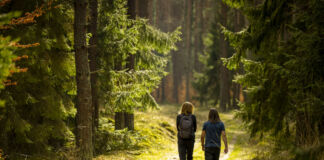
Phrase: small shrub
(168, 127)
(107, 139)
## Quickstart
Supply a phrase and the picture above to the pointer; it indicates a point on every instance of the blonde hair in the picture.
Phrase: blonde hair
(187, 108)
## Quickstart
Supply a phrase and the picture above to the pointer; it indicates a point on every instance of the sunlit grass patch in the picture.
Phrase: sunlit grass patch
(116, 155)
(158, 135)
(162, 130)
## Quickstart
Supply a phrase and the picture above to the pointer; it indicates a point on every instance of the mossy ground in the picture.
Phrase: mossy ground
(159, 129)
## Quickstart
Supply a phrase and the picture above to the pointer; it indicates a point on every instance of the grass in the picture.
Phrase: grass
(159, 129)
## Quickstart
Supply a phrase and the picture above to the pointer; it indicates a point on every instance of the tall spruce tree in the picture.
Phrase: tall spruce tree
(7, 56)
(178, 57)
(93, 61)
(84, 109)
(224, 75)
(125, 90)
(130, 64)
(283, 73)
(188, 46)
(37, 111)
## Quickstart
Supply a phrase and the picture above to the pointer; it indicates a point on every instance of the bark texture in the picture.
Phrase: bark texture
(119, 120)
(188, 26)
(84, 110)
(129, 121)
(224, 72)
(236, 88)
(198, 34)
(92, 28)
(178, 57)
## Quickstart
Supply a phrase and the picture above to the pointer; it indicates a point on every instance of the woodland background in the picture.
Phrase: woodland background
(76, 75)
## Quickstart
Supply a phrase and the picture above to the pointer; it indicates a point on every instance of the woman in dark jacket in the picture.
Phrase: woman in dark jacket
(186, 126)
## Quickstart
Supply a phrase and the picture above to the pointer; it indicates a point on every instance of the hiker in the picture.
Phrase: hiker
(213, 130)
(186, 126)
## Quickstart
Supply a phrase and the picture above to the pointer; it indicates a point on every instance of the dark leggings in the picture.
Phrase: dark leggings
(185, 148)
(212, 153)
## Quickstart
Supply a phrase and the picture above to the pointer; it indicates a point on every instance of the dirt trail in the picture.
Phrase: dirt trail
(223, 156)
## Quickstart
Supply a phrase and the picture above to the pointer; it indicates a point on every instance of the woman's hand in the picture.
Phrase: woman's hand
(203, 134)
(225, 141)
(225, 150)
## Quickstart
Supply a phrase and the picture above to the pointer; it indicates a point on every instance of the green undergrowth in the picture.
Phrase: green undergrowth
(155, 137)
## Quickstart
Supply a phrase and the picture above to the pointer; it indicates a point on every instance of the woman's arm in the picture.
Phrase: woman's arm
(203, 134)
(225, 141)
(195, 123)
(178, 121)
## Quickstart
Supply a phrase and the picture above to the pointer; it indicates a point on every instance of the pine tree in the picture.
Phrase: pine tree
(84, 109)
(129, 90)
(93, 62)
(188, 46)
(130, 64)
(6, 53)
(283, 73)
(39, 108)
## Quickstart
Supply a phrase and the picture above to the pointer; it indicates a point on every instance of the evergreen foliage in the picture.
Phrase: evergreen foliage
(282, 54)
(36, 115)
(207, 82)
(125, 90)
(37, 119)
(39, 114)
(6, 59)
(6, 51)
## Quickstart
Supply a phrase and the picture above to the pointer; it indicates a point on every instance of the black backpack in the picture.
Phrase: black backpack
(186, 127)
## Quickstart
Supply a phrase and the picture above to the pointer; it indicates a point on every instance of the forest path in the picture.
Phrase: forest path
(233, 128)
(165, 145)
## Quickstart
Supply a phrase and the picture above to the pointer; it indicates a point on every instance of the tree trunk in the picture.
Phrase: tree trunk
(198, 34)
(84, 110)
(163, 85)
(306, 134)
(176, 78)
(235, 86)
(92, 28)
(129, 121)
(165, 25)
(224, 73)
(119, 120)
(119, 116)
(131, 4)
(178, 57)
(188, 26)
(143, 10)
(129, 117)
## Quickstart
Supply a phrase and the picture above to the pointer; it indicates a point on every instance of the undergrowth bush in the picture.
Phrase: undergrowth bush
(108, 139)
(145, 135)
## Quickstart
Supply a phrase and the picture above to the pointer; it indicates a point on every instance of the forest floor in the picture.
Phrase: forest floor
(159, 127)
